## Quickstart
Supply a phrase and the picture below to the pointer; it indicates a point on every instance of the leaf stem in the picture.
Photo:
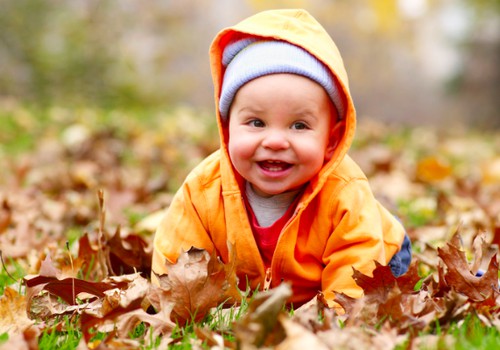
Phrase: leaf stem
(5, 267)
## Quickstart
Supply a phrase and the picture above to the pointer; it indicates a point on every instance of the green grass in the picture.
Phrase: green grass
(472, 334)
(469, 334)
(14, 273)
(64, 340)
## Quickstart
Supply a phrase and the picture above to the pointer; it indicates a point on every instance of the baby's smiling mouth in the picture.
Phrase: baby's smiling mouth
(274, 165)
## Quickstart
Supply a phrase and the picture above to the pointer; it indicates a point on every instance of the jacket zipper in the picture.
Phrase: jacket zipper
(268, 279)
(269, 274)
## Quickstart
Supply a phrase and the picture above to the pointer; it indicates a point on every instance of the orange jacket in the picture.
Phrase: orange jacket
(337, 225)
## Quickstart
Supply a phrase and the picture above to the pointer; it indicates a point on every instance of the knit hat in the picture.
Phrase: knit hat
(251, 58)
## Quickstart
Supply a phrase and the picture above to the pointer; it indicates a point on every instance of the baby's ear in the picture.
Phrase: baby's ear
(335, 137)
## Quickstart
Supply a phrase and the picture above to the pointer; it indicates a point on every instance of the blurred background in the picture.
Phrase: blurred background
(410, 62)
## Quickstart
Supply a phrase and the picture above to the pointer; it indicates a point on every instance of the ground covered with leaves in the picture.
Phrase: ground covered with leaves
(82, 191)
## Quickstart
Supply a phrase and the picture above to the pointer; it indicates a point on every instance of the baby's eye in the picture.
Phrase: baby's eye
(256, 123)
(299, 126)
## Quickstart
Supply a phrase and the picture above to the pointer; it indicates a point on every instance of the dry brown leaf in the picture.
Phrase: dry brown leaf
(297, 337)
(68, 289)
(459, 276)
(455, 294)
(378, 287)
(88, 259)
(482, 252)
(496, 235)
(388, 299)
(5, 216)
(362, 337)
(259, 326)
(48, 269)
(129, 254)
(198, 282)
(307, 314)
(76, 293)
(13, 317)
(121, 311)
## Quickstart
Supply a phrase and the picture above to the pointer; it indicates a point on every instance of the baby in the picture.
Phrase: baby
(281, 189)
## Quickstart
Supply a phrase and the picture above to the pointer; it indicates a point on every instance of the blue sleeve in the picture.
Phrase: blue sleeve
(401, 260)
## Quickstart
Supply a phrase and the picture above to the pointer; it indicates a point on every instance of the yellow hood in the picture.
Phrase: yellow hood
(297, 27)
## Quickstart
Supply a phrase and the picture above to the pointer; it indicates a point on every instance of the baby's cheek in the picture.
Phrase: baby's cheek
(242, 149)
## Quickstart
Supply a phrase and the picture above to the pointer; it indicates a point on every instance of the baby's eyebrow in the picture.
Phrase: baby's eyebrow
(251, 109)
(307, 114)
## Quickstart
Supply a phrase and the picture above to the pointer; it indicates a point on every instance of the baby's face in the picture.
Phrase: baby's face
(279, 132)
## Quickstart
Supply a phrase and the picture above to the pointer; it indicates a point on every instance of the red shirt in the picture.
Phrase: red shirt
(267, 237)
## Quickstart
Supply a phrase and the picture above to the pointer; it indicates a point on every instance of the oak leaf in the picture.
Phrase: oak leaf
(129, 254)
(378, 287)
(386, 299)
(198, 282)
(70, 290)
(483, 252)
(121, 310)
(13, 317)
(459, 277)
(67, 289)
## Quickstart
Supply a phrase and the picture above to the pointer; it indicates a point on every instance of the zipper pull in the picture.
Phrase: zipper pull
(268, 279)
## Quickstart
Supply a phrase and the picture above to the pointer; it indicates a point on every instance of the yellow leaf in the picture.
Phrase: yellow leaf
(13, 316)
(432, 169)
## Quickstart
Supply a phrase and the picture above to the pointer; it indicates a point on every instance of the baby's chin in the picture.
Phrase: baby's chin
(269, 192)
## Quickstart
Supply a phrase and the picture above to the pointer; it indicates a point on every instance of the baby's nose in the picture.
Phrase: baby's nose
(276, 140)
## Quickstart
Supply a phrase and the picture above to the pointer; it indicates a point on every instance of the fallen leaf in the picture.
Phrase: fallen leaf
(378, 287)
(121, 309)
(388, 299)
(315, 315)
(198, 282)
(433, 169)
(67, 289)
(297, 337)
(5, 216)
(129, 254)
(258, 326)
(459, 276)
(13, 317)
(482, 252)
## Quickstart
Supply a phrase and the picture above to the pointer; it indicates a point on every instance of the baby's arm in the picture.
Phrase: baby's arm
(362, 233)
(181, 228)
